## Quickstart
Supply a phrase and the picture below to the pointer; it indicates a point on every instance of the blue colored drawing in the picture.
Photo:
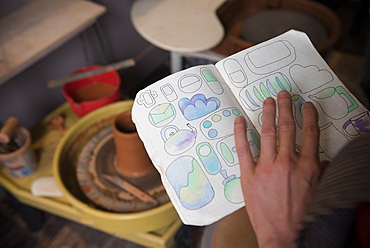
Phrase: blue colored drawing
(256, 93)
(198, 106)
(213, 125)
(298, 103)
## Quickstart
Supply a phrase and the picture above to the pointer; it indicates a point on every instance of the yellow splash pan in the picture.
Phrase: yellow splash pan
(64, 170)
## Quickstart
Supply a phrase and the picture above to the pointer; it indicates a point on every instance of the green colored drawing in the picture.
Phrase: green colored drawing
(258, 94)
(208, 75)
(256, 140)
(264, 90)
(284, 82)
(233, 192)
(227, 153)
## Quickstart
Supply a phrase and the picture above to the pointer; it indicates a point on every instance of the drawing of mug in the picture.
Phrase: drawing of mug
(335, 102)
(358, 124)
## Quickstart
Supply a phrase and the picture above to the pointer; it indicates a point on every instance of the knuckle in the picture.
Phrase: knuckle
(311, 129)
(288, 124)
(269, 132)
(243, 152)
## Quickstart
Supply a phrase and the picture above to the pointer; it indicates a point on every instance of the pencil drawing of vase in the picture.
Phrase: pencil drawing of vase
(335, 102)
(132, 159)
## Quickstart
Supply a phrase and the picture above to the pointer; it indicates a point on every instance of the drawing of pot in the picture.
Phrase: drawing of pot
(357, 125)
(232, 190)
(178, 141)
(335, 102)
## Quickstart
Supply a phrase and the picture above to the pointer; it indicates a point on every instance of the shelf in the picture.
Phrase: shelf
(33, 31)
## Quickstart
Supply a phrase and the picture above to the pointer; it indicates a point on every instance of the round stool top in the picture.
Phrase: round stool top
(178, 26)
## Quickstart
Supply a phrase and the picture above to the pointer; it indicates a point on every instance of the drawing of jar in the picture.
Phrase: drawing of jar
(358, 124)
(333, 101)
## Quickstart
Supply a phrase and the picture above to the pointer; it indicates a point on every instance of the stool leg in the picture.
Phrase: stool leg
(176, 62)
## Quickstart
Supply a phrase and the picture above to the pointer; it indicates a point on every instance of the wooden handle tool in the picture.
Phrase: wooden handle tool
(9, 129)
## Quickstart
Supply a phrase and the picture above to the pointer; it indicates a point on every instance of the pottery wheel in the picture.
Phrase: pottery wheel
(98, 158)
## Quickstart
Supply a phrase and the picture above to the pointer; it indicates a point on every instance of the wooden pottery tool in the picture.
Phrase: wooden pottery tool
(131, 189)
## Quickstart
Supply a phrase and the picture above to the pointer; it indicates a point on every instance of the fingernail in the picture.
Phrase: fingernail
(269, 100)
(239, 119)
(308, 105)
(284, 93)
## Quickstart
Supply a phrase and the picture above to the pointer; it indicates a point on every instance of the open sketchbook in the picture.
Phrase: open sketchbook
(186, 119)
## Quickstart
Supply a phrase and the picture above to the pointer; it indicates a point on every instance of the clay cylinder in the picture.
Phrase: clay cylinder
(132, 159)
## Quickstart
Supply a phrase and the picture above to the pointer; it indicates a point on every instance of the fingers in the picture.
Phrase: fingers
(286, 127)
(310, 132)
(242, 147)
(268, 131)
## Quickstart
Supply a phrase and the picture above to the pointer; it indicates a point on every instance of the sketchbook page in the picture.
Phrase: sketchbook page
(290, 62)
(186, 123)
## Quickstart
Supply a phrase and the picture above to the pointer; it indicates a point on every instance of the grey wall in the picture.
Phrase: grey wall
(27, 97)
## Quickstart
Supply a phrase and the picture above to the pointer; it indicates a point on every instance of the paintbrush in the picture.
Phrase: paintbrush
(112, 67)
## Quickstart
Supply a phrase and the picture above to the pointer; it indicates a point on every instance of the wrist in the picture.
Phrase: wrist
(277, 237)
(276, 242)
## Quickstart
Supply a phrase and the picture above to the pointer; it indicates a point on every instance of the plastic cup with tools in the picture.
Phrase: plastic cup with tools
(16, 153)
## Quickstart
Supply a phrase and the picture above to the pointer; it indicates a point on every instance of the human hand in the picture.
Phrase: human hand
(277, 188)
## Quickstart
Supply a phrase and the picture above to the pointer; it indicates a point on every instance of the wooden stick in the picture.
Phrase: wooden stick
(112, 67)
(7, 131)
(132, 189)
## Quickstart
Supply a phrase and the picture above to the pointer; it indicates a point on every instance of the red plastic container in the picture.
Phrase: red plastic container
(92, 99)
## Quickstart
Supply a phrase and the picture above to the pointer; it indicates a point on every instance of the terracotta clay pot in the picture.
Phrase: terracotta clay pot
(132, 159)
